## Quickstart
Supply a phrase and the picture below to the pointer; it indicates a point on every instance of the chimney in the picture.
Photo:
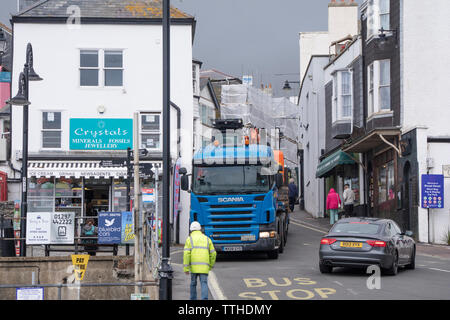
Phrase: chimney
(342, 19)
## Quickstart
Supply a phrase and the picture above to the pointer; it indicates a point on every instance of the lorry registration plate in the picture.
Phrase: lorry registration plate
(248, 237)
(237, 248)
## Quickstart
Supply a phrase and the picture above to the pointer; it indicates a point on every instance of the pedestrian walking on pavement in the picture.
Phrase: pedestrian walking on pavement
(199, 258)
(348, 198)
(293, 194)
(333, 203)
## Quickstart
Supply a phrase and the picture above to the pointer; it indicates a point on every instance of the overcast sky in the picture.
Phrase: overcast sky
(257, 37)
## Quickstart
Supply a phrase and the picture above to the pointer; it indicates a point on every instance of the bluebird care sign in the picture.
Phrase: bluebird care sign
(432, 191)
(101, 134)
(109, 227)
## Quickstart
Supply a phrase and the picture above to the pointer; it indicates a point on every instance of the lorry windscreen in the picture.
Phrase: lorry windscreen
(230, 179)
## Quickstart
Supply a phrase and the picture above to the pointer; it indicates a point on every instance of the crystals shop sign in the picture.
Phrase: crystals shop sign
(101, 134)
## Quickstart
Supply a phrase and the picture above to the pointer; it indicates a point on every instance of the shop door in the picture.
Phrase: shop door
(97, 199)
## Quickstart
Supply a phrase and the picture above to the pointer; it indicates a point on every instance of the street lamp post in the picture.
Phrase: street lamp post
(166, 272)
(21, 98)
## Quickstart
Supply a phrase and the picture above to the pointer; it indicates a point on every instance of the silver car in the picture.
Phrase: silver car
(361, 242)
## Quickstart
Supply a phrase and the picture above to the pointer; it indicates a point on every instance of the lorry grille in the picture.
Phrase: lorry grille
(227, 223)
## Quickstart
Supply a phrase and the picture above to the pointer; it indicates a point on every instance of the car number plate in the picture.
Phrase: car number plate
(248, 237)
(232, 248)
(351, 244)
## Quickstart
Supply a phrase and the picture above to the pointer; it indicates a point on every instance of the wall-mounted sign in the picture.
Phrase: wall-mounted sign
(101, 134)
(432, 191)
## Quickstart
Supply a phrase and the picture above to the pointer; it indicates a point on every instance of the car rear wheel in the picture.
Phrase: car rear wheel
(393, 270)
(412, 264)
(324, 268)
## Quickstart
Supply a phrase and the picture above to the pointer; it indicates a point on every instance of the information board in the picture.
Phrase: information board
(30, 294)
(432, 191)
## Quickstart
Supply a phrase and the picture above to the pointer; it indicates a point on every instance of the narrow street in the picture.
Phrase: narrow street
(296, 276)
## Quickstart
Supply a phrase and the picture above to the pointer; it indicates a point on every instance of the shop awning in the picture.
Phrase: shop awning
(78, 169)
(329, 163)
(372, 140)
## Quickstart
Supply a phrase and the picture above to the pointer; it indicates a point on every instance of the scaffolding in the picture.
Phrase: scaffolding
(258, 109)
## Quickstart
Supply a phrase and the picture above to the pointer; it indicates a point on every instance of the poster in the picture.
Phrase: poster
(127, 234)
(109, 227)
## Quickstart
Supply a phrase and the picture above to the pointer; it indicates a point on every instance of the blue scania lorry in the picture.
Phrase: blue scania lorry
(235, 191)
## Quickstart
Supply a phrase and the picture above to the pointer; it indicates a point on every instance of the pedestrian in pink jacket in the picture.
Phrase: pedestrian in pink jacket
(333, 203)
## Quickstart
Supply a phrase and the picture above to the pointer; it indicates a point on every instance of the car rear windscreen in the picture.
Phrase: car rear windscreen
(355, 228)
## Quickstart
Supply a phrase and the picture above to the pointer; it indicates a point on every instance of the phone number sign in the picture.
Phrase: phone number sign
(432, 191)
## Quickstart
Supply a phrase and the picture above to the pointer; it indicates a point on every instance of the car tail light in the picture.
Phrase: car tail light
(327, 241)
(376, 243)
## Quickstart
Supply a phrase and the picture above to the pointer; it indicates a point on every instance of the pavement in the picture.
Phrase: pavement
(180, 282)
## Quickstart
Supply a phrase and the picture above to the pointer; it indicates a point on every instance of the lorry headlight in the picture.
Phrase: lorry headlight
(263, 235)
(267, 234)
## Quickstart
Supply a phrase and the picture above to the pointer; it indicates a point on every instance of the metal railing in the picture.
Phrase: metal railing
(60, 286)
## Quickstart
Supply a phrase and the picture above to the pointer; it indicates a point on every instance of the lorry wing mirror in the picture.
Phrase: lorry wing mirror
(184, 182)
(279, 180)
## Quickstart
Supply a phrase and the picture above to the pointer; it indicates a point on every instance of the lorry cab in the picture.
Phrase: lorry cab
(234, 197)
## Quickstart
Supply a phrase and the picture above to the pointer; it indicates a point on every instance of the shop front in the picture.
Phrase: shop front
(339, 169)
(381, 155)
(83, 187)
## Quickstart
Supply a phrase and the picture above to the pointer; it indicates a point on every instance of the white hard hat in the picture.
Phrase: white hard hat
(195, 226)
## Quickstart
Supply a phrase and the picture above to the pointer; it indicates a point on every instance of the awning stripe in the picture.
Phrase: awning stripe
(78, 169)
